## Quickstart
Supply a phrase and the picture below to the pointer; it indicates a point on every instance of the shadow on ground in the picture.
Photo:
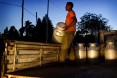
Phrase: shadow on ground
(67, 71)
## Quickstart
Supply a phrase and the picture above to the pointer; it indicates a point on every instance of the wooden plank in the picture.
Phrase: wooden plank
(25, 60)
(10, 43)
(50, 58)
(33, 52)
(10, 48)
(28, 42)
(53, 47)
(27, 56)
(27, 46)
(10, 57)
(23, 65)
(47, 62)
(31, 43)
(36, 43)
(50, 52)
(9, 66)
(49, 55)
(9, 70)
(28, 51)
(9, 61)
(17, 76)
(10, 52)
(14, 60)
(50, 49)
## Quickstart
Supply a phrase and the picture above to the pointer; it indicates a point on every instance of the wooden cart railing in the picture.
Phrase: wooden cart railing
(20, 55)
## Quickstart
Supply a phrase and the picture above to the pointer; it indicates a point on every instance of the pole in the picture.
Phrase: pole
(47, 22)
(22, 12)
(36, 18)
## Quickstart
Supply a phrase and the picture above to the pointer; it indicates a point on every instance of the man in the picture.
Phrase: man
(70, 28)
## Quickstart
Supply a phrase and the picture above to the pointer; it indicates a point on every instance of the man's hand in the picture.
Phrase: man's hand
(66, 27)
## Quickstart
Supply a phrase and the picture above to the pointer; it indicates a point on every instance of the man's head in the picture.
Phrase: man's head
(69, 6)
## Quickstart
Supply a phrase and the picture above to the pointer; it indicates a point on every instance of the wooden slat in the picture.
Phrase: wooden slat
(10, 48)
(17, 76)
(10, 57)
(28, 46)
(53, 47)
(47, 61)
(49, 55)
(23, 65)
(28, 51)
(50, 58)
(23, 60)
(28, 60)
(27, 56)
(9, 61)
(14, 60)
(31, 43)
(50, 52)
(11, 43)
(10, 66)
(27, 42)
(10, 52)
(36, 43)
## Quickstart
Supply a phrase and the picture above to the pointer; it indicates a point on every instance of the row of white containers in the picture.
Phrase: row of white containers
(91, 54)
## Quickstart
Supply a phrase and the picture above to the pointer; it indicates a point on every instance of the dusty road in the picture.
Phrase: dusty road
(86, 71)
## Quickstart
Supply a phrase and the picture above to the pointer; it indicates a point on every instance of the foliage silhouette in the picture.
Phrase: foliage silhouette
(44, 29)
(13, 33)
(91, 24)
(38, 30)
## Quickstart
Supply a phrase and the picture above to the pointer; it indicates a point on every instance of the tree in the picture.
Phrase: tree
(30, 31)
(38, 29)
(44, 30)
(27, 32)
(13, 33)
(6, 32)
(50, 30)
(91, 23)
(27, 25)
(21, 30)
(78, 37)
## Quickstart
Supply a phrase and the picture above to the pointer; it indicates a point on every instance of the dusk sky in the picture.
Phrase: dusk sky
(10, 11)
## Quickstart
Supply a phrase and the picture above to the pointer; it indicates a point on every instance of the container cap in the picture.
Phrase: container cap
(60, 25)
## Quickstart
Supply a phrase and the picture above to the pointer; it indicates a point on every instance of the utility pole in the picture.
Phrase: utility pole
(47, 22)
(36, 18)
(22, 13)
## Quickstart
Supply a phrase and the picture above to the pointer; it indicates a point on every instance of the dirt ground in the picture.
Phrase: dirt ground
(101, 70)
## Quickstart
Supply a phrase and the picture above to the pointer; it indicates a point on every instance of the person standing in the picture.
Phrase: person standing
(70, 28)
